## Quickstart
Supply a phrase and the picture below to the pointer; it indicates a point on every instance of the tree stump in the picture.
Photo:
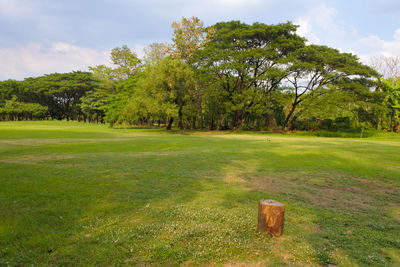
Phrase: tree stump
(271, 216)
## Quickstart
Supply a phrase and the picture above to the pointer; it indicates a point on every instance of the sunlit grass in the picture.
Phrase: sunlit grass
(73, 193)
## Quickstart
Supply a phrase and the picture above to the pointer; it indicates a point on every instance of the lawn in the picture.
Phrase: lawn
(79, 194)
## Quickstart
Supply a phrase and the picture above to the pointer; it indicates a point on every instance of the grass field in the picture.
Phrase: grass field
(78, 194)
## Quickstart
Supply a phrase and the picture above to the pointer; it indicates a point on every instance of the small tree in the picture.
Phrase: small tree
(391, 87)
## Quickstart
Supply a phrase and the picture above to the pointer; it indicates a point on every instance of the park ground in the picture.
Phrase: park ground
(81, 194)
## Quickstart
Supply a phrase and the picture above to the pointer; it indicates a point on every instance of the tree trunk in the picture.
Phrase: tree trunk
(180, 115)
(289, 116)
(271, 216)
(171, 120)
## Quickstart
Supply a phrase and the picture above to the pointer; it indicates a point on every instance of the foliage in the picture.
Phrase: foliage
(247, 62)
(316, 69)
(155, 52)
(188, 37)
(59, 93)
(15, 110)
(391, 88)
(162, 93)
(126, 61)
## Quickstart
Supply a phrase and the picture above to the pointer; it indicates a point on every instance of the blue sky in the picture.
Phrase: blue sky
(45, 36)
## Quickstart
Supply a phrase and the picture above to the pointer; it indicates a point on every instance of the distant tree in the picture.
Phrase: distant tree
(115, 107)
(127, 62)
(15, 110)
(189, 35)
(10, 88)
(315, 68)
(107, 99)
(248, 62)
(391, 87)
(386, 66)
(164, 91)
(61, 92)
(156, 52)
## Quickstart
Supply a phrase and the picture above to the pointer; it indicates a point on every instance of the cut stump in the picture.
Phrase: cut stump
(271, 216)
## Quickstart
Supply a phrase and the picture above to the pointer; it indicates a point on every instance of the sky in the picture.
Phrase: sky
(45, 36)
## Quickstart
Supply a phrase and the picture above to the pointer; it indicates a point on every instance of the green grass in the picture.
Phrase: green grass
(78, 194)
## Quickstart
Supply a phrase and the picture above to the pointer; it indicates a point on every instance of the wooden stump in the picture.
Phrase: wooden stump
(271, 216)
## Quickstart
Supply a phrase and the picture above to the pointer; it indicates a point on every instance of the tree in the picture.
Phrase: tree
(315, 68)
(391, 87)
(248, 62)
(60, 92)
(164, 91)
(386, 66)
(10, 88)
(127, 62)
(126, 65)
(107, 99)
(189, 35)
(156, 52)
(116, 102)
(15, 110)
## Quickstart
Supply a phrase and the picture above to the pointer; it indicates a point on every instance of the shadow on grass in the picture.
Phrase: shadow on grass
(332, 216)
(183, 199)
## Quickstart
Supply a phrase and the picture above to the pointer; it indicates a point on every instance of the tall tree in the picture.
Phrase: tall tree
(189, 36)
(164, 90)
(248, 60)
(61, 92)
(386, 66)
(315, 68)
(127, 62)
(10, 88)
(391, 87)
(155, 52)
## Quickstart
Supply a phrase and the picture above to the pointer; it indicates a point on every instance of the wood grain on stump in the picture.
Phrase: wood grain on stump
(271, 216)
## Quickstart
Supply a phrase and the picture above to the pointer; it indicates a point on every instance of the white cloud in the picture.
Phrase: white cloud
(139, 50)
(383, 47)
(318, 23)
(33, 59)
(324, 17)
(305, 30)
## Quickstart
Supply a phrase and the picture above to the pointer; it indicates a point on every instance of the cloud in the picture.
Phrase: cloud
(383, 47)
(34, 59)
(319, 22)
(325, 18)
(305, 30)
(139, 50)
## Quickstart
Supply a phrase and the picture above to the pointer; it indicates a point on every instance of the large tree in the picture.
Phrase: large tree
(164, 91)
(247, 62)
(391, 88)
(315, 68)
(60, 92)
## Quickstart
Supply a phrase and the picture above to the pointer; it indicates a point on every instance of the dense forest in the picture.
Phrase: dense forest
(230, 75)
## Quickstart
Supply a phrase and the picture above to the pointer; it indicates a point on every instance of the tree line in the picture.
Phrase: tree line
(230, 75)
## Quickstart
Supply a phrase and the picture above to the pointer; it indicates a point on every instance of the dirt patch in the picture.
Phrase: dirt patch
(37, 159)
(326, 191)
(52, 157)
(232, 177)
